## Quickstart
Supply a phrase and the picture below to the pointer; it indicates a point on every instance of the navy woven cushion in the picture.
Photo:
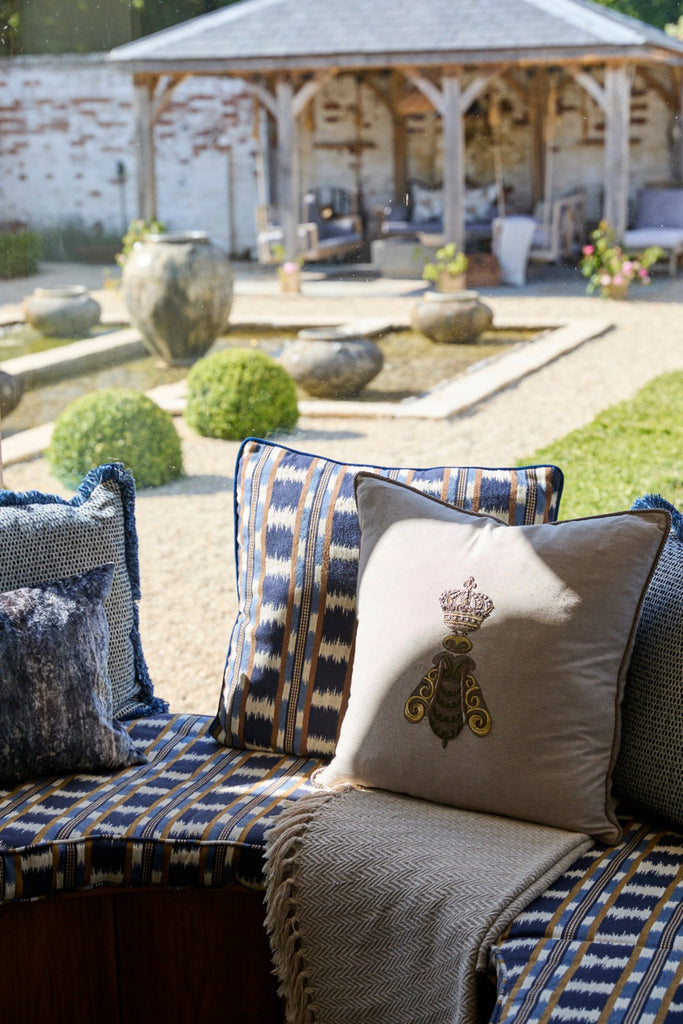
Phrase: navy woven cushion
(194, 815)
(604, 942)
(288, 667)
(56, 712)
(44, 537)
(649, 769)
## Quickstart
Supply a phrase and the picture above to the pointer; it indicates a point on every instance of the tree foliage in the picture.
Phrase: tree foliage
(83, 26)
(659, 13)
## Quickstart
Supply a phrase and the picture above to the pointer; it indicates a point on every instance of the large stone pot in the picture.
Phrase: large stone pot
(11, 390)
(62, 312)
(327, 362)
(178, 290)
(453, 318)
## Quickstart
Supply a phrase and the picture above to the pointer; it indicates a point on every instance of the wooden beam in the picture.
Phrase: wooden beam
(143, 94)
(618, 82)
(287, 177)
(310, 89)
(453, 159)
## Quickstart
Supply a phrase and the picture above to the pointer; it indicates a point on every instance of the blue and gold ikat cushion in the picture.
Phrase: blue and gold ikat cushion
(194, 814)
(604, 942)
(45, 537)
(56, 712)
(288, 668)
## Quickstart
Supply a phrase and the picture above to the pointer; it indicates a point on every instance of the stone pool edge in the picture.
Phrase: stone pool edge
(446, 400)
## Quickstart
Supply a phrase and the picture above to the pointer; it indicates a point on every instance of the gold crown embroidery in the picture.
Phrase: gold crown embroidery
(449, 694)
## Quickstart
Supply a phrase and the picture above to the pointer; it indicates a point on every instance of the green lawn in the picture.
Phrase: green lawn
(632, 448)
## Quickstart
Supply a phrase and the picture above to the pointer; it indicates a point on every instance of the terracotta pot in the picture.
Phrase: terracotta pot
(178, 290)
(290, 280)
(62, 312)
(451, 282)
(615, 291)
(328, 363)
(456, 318)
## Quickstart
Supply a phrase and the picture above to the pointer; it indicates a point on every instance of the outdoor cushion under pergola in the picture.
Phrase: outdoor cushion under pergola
(451, 51)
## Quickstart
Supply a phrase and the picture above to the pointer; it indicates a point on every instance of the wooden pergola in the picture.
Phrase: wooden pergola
(450, 51)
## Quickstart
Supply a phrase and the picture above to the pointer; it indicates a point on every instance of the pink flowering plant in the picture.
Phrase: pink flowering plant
(609, 268)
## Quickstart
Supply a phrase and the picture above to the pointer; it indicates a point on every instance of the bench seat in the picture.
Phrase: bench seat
(194, 815)
(605, 941)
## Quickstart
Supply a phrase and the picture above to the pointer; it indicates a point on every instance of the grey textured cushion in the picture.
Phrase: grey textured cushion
(490, 659)
(55, 691)
(43, 537)
(649, 770)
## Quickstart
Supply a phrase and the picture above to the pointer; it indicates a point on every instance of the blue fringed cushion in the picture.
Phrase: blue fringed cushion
(288, 668)
(56, 711)
(649, 769)
(44, 537)
(603, 943)
(195, 814)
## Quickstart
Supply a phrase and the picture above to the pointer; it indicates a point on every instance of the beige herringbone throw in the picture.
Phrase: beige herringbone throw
(381, 908)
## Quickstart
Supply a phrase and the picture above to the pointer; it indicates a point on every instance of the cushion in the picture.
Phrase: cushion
(194, 814)
(44, 537)
(649, 770)
(515, 711)
(287, 672)
(56, 710)
(603, 942)
(427, 203)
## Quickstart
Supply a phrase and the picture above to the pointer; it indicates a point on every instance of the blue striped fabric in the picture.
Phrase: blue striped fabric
(288, 667)
(194, 815)
(604, 942)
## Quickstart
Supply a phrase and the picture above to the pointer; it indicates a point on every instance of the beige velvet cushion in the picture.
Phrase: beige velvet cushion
(490, 659)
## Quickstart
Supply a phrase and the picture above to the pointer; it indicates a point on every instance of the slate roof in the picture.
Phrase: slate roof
(270, 34)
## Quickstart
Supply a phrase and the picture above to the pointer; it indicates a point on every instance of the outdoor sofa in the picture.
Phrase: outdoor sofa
(420, 212)
(658, 222)
(133, 839)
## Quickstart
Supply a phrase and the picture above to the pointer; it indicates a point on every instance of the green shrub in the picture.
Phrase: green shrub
(19, 253)
(115, 425)
(238, 392)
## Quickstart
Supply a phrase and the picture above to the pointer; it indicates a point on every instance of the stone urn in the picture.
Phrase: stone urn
(62, 312)
(451, 318)
(178, 291)
(327, 362)
(11, 390)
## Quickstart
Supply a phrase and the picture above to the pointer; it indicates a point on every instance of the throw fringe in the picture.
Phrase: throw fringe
(283, 846)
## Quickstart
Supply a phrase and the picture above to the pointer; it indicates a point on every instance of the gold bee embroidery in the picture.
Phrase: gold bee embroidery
(449, 694)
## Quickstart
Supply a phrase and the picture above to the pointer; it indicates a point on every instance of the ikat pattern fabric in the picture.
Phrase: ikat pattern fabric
(288, 667)
(44, 537)
(194, 815)
(604, 943)
(649, 769)
(56, 711)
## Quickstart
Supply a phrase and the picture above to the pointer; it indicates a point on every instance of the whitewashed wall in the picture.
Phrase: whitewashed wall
(65, 123)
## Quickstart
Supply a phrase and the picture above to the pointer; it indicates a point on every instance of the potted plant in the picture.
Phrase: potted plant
(609, 269)
(288, 271)
(448, 268)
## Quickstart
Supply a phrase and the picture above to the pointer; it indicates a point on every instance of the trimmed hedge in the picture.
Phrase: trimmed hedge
(19, 253)
(115, 425)
(239, 392)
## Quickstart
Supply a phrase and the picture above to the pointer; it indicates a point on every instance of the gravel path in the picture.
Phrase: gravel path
(186, 528)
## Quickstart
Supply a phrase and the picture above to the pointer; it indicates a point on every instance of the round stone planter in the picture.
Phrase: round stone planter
(453, 318)
(62, 312)
(178, 291)
(327, 363)
(11, 390)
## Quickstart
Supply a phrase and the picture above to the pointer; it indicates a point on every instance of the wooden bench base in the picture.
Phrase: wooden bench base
(116, 956)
